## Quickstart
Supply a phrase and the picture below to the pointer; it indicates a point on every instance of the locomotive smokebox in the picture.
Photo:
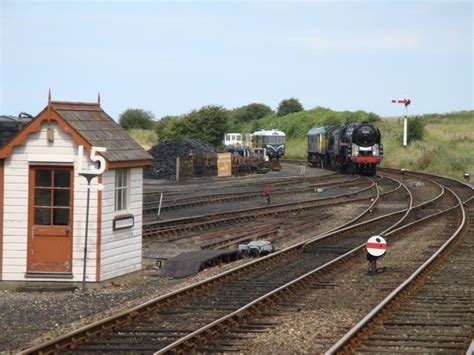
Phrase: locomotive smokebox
(365, 135)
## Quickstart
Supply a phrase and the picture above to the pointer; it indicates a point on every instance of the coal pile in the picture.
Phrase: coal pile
(165, 154)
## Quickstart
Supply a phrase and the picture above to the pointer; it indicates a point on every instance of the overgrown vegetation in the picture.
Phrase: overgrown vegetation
(438, 143)
(244, 114)
(446, 147)
(416, 129)
(145, 137)
(208, 124)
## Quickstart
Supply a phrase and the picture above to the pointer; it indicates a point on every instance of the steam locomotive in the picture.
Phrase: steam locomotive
(352, 148)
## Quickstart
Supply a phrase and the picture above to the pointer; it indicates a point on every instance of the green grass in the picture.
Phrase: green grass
(446, 148)
(146, 138)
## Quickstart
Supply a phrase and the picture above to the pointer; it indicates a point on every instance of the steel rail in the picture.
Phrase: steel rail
(180, 345)
(171, 348)
(216, 196)
(114, 321)
(267, 209)
(404, 210)
(151, 207)
(246, 215)
(424, 203)
(249, 183)
(428, 175)
(344, 341)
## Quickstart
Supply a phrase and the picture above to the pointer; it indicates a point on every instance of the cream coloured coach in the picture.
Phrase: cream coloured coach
(43, 197)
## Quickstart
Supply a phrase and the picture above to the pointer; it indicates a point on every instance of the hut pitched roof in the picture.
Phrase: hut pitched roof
(99, 129)
(89, 125)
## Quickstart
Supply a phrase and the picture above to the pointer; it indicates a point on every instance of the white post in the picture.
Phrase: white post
(405, 133)
(405, 126)
(159, 206)
(177, 169)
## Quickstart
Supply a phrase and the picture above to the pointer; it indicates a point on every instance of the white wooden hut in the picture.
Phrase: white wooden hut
(43, 198)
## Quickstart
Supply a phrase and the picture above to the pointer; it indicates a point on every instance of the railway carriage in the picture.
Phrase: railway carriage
(233, 140)
(354, 147)
(272, 141)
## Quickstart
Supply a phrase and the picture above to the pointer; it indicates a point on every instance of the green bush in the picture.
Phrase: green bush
(136, 119)
(288, 106)
(416, 129)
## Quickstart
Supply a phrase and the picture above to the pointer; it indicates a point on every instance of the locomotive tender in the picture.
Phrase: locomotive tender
(11, 125)
(353, 148)
(272, 141)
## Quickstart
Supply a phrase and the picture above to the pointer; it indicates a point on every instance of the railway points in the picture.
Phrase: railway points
(393, 215)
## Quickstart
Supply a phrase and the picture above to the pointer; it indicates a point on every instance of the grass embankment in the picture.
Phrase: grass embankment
(146, 138)
(446, 149)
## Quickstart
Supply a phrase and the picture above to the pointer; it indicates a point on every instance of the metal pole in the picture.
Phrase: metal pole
(159, 207)
(405, 126)
(86, 235)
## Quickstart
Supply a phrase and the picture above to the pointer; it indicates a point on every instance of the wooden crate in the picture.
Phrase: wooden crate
(224, 164)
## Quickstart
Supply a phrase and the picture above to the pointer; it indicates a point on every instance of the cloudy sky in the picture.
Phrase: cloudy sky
(170, 57)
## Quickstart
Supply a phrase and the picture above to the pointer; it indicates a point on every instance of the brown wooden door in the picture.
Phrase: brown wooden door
(50, 219)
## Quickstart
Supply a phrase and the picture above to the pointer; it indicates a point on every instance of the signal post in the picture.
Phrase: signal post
(406, 102)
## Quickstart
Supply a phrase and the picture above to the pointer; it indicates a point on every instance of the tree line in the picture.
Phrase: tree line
(208, 124)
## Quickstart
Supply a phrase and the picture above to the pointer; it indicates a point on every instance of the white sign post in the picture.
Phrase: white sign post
(406, 102)
(89, 175)
(376, 247)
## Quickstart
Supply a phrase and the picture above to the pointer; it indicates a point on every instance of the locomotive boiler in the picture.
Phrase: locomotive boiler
(353, 148)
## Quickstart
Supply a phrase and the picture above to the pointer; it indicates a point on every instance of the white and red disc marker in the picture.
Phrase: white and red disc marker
(376, 246)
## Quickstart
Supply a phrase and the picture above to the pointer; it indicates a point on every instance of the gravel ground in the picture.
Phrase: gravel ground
(327, 314)
(27, 317)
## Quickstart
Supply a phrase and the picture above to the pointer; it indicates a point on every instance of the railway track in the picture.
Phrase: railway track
(179, 227)
(249, 194)
(161, 321)
(439, 227)
(277, 229)
(433, 310)
(188, 318)
(182, 192)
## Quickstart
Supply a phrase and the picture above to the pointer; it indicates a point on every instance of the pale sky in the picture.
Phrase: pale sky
(170, 57)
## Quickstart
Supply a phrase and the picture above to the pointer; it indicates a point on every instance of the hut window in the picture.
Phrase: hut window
(121, 189)
(52, 196)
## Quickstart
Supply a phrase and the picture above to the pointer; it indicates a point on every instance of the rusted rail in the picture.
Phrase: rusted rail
(273, 261)
(356, 335)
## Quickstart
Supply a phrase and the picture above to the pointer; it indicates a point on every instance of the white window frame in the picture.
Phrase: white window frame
(122, 176)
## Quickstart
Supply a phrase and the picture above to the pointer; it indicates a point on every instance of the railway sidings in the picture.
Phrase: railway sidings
(234, 310)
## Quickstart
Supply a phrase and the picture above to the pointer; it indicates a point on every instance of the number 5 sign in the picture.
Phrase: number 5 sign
(94, 157)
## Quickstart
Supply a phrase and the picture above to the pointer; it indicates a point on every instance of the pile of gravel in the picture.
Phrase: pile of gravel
(165, 154)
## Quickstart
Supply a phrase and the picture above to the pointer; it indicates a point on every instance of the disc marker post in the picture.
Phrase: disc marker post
(376, 247)
(406, 102)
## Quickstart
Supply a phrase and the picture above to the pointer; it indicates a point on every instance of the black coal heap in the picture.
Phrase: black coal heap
(165, 154)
